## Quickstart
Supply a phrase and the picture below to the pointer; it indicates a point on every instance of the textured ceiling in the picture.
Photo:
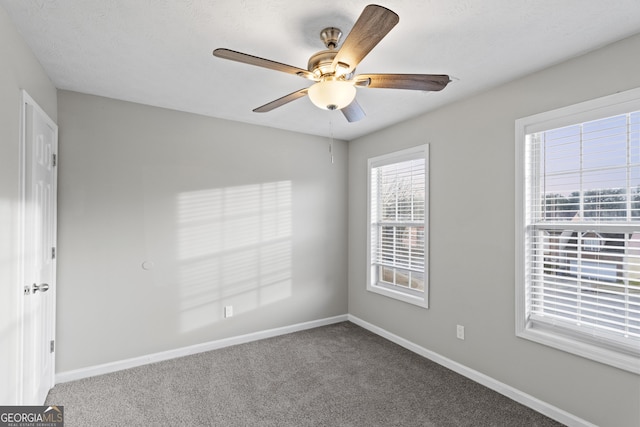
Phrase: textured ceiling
(158, 52)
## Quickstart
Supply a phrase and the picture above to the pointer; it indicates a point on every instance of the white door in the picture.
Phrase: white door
(39, 151)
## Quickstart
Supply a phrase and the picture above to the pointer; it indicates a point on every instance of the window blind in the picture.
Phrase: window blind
(583, 229)
(398, 223)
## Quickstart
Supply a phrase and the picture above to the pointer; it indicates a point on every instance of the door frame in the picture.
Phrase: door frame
(26, 100)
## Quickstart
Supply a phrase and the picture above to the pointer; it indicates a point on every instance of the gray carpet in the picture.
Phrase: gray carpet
(337, 375)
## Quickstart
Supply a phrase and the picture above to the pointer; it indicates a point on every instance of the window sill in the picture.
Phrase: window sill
(420, 301)
(544, 335)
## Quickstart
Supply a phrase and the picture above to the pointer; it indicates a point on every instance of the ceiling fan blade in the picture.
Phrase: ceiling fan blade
(261, 62)
(373, 24)
(426, 82)
(353, 112)
(281, 101)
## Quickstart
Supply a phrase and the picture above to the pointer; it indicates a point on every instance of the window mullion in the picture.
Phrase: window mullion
(625, 281)
(628, 157)
(581, 196)
(579, 272)
(581, 186)
(542, 189)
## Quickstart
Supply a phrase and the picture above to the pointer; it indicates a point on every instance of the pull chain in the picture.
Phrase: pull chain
(331, 140)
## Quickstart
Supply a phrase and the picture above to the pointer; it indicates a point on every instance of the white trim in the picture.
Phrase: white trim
(398, 156)
(559, 337)
(606, 106)
(106, 368)
(21, 248)
(422, 299)
(495, 385)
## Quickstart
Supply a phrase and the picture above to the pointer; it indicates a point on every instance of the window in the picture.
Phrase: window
(398, 219)
(578, 229)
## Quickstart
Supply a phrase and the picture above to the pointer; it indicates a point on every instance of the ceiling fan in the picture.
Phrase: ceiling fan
(333, 69)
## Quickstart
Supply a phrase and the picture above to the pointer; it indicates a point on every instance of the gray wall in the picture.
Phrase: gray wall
(19, 69)
(472, 238)
(222, 213)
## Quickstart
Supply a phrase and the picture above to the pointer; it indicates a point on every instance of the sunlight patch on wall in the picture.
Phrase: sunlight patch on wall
(234, 248)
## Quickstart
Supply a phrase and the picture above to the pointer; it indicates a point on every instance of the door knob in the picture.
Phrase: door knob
(42, 288)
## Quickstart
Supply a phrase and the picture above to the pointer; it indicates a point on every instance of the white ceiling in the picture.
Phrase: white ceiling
(158, 52)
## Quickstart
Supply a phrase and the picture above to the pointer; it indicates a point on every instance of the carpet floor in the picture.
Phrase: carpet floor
(336, 375)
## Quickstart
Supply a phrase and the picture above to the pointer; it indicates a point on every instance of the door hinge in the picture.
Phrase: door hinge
(54, 160)
(52, 346)
(53, 253)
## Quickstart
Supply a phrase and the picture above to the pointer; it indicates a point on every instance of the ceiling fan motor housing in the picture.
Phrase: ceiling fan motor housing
(320, 62)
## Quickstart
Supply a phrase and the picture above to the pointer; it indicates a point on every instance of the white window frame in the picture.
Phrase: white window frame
(559, 336)
(419, 298)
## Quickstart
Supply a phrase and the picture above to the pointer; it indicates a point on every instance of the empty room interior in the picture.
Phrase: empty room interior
(185, 221)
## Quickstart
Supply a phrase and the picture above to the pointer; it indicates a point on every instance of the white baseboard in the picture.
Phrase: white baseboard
(106, 368)
(504, 389)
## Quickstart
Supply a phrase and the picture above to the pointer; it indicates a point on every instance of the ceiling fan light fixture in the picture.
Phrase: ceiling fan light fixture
(332, 94)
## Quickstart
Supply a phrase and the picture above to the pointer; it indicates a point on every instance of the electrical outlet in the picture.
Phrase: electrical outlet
(460, 332)
(228, 311)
